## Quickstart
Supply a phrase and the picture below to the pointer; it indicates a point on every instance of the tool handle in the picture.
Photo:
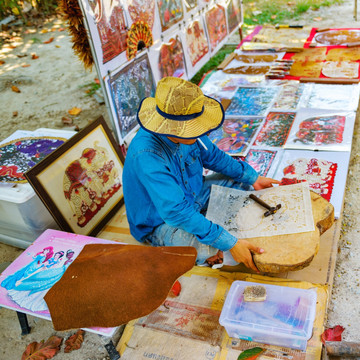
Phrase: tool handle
(329, 81)
(259, 201)
(342, 348)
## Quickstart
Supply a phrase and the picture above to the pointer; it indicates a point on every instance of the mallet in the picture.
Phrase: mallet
(270, 209)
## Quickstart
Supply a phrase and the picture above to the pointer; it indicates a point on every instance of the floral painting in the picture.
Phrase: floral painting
(170, 12)
(171, 59)
(216, 25)
(197, 45)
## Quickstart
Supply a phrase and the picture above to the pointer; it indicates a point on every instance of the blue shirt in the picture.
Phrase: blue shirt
(161, 180)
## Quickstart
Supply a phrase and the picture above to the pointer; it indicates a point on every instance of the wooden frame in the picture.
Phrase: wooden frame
(80, 182)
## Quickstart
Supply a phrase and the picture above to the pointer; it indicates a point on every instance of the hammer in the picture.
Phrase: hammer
(271, 209)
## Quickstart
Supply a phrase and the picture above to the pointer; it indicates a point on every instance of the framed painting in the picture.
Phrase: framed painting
(128, 87)
(216, 25)
(316, 129)
(234, 15)
(80, 182)
(276, 129)
(170, 12)
(236, 135)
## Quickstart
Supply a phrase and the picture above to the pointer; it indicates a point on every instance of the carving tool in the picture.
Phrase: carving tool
(282, 26)
(270, 209)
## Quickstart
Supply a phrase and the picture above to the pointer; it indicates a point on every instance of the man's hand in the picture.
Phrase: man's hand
(264, 182)
(241, 252)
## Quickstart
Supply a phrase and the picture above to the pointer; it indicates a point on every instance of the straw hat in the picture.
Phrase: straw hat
(180, 109)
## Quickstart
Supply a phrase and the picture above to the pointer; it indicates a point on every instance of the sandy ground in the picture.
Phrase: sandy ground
(53, 84)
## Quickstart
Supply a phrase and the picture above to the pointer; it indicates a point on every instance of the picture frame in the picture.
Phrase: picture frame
(80, 182)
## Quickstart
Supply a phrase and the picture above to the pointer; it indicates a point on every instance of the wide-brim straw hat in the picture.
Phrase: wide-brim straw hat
(180, 109)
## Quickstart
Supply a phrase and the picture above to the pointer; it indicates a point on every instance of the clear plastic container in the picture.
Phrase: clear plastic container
(285, 318)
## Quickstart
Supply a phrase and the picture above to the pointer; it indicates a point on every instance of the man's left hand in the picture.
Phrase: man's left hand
(264, 182)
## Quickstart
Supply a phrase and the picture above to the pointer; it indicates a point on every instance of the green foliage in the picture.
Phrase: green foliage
(15, 7)
(90, 88)
(36, 40)
(213, 62)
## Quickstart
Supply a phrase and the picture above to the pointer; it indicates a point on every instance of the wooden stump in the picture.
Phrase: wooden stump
(294, 251)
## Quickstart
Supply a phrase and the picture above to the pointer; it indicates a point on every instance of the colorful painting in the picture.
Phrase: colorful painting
(110, 22)
(216, 25)
(171, 59)
(139, 37)
(233, 14)
(128, 87)
(236, 135)
(251, 101)
(18, 156)
(143, 10)
(25, 282)
(289, 96)
(276, 129)
(80, 182)
(170, 11)
(260, 160)
(318, 173)
(197, 45)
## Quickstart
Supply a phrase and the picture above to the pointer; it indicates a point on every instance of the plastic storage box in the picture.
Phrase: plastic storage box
(23, 217)
(285, 318)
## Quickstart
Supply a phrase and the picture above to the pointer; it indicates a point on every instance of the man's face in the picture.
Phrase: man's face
(182, 141)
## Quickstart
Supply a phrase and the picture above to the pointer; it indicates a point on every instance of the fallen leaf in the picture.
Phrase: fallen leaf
(332, 334)
(2, 62)
(58, 46)
(74, 111)
(61, 29)
(97, 81)
(21, 56)
(49, 41)
(66, 120)
(44, 31)
(15, 89)
(25, 65)
(318, 18)
(34, 56)
(74, 342)
(42, 350)
(12, 46)
(251, 354)
(15, 113)
(176, 289)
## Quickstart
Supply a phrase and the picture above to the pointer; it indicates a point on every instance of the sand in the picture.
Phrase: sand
(54, 83)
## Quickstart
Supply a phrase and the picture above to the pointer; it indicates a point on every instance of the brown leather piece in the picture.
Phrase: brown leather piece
(110, 284)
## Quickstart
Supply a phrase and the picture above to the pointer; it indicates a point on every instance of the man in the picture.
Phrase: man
(164, 190)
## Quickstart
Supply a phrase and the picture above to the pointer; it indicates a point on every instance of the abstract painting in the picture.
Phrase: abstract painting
(276, 129)
(18, 156)
(251, 101)
(170, 12)
(128, 87)
(110, 22)
(197, 45)
(289, 96)
(236, 135)
(216, 25)
(171, 58)
(261, 160)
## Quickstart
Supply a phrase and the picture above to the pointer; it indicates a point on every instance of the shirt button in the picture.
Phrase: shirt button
(185, 182)
(182, 169)
(181, 156)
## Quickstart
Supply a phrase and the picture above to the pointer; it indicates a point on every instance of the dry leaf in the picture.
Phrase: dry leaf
(97, 81)
(25, 65)
(44, 31)
(21, 56)
(15, 113)
(74, 342)
(74, 111)
(49, 41)
(332, 334)
(61, 29)
(2, 62)
(66, 120)
(42, 350)
(58, 46)
(318, 18)
(12, 46)
(34, 56)
(15, 89)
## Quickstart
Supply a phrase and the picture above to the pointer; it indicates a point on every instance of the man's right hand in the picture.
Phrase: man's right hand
(241, 252)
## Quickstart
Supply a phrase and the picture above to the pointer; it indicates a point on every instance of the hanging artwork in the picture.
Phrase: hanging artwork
(251, 101)
(171, 59)
(128, 87)
(324, 171)
(236, 135)
(276, 129)
(170, 12)
(338, 37)
(234, 15)
(190, 4)
(18, 156)
(139, 37)
(340, 69)
(216, 25)
(110, 22)
(322, 130)
(80, 182)
(142, 10)
(197, 45)
(289, 96)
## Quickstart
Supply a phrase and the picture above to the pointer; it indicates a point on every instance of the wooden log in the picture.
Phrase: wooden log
(294, 251)
(342, 348)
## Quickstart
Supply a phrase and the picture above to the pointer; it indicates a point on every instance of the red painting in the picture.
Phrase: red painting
(143, 10)
(171, 59)
(197, 44)
(216, 25)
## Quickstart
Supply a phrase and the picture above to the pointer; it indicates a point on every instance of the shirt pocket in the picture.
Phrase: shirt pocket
(193, 164)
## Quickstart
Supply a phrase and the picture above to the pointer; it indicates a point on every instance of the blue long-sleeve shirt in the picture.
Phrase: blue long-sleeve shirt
(161, 180)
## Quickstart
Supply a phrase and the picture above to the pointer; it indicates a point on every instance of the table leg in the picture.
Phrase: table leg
(25, 328)
(113, 353)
